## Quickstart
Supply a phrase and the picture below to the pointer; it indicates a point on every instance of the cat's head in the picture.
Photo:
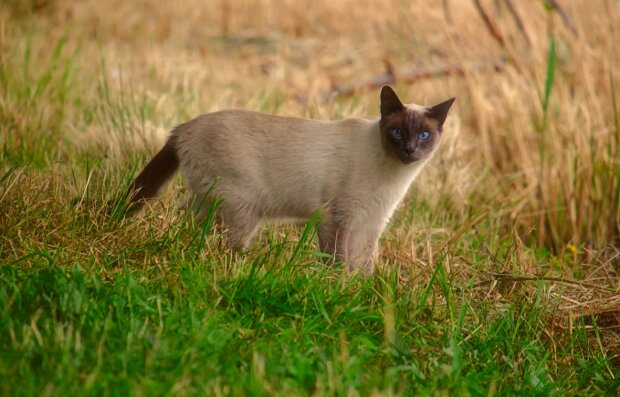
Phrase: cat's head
(410, 133)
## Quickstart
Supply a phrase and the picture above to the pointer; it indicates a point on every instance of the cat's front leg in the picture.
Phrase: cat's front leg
(364, 262)
(363, 246)
(334, 238)
(356, 246)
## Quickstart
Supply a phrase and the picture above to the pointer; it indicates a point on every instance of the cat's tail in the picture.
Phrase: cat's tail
(156, 173)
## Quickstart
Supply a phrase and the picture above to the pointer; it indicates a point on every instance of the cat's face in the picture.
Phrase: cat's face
(410, 134)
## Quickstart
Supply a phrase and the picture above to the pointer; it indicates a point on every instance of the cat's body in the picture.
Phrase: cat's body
(271, 167)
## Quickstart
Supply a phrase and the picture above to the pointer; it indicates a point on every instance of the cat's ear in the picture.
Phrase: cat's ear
(390, 103)
(439, 112)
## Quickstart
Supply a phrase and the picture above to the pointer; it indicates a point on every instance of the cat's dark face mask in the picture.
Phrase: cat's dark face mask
(410, 135)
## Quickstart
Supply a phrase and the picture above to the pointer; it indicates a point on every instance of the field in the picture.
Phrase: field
(498, 275)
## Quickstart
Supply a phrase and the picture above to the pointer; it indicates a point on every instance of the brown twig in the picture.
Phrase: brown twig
(518, 277)
(409, 77)
(490, 25)
(517, 18)
(568, 21)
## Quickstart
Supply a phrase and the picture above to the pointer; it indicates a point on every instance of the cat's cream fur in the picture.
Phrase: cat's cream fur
(271, 167)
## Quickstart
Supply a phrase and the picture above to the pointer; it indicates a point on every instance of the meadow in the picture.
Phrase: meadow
(499, 274)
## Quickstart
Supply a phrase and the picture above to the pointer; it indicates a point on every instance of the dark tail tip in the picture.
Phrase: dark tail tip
(156, 173)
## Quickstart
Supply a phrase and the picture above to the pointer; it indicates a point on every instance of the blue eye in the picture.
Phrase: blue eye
(396, 133)
(424, 135)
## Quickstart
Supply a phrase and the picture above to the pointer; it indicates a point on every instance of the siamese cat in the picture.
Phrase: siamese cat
(261, 166)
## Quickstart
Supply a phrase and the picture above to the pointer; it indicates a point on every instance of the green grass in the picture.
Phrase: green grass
(153, 305)
(68, 331)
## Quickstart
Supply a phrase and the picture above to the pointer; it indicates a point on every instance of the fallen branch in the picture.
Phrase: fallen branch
(409, 77)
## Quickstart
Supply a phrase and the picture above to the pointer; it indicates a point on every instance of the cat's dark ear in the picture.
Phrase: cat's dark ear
(439, 112)
(390, 103)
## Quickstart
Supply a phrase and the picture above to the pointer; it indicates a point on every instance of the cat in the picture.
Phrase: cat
(261, 166)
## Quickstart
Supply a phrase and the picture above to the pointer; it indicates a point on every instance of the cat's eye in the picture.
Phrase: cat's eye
(396, 133)
(424, 135)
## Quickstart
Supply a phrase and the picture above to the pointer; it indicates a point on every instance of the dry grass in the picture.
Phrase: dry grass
(190, 57)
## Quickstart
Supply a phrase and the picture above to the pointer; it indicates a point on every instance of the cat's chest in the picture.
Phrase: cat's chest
(381, 192)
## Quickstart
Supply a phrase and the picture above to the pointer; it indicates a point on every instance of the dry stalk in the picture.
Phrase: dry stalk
(446, 11)
(519, 277)
(491, 27)
(568, 21)
(518, 21)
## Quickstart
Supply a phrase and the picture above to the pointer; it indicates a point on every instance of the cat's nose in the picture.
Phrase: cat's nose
(409, 149)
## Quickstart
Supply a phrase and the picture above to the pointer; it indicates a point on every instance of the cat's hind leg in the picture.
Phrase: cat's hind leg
(202, 205)
(240, 222)
(234, 212)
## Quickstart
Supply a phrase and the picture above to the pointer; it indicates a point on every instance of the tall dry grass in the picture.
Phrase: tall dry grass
(139, 67)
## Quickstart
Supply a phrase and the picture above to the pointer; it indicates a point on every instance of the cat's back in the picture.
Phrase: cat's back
(249, 135)
(235, 125)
